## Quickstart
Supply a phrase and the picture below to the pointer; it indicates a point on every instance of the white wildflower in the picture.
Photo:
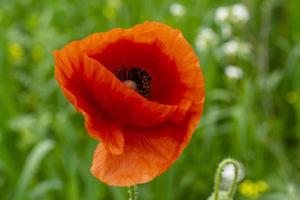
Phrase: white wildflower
(232, 72)
(237, 13)
(240, 13)
(206, 38)
(236, 48)
(177, 9)
(221, 14)
(231, 47)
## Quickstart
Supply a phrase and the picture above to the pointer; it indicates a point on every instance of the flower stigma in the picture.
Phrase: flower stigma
(131, 84)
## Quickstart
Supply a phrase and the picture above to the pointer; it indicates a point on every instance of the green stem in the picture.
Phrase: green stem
(132, 192)
(218, 178)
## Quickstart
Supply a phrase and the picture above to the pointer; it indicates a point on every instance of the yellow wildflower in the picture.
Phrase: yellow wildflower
(261, 186)
(111, 8)
(16, 51)
(252, 189)
(292, 97)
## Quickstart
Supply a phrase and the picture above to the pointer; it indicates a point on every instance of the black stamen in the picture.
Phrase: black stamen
(141, 78)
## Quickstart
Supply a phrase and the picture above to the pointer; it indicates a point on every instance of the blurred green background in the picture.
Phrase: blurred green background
(249, 52)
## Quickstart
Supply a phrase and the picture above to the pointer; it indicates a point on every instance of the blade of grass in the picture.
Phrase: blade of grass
(40, 191)
(32, 163)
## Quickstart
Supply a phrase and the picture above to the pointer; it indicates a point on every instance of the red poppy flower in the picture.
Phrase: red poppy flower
(141, 92)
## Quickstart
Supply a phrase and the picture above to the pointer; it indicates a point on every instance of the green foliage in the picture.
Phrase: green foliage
(31, 166)
(45, 153)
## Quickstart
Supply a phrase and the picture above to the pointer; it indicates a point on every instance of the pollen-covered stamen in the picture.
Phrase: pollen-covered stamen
(131, 84)
(137, 79)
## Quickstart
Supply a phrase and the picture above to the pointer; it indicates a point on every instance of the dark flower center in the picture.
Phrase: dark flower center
(136, 79)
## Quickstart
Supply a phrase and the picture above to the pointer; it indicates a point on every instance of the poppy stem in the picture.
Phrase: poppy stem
(218, 178)
(132, 192)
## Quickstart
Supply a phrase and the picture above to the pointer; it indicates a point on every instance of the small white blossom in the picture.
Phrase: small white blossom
(236, 48)
(206, 38)
(232, 72)
(240, 13)
(237, 13)
(177, 9)
(222, 14)
(231, 47)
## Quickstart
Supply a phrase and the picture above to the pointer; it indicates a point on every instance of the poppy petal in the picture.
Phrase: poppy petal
(168, 56)
(108, 131)
(147, 153)
(116, 99)
(99, 125)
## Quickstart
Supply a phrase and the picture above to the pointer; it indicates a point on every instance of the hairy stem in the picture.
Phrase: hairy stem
(218, 177)
(132, 193)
